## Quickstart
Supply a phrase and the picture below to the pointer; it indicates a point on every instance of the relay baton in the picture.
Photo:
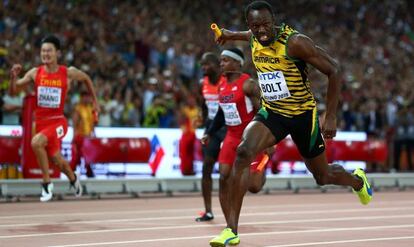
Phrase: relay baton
(216, 30)
(263, 162)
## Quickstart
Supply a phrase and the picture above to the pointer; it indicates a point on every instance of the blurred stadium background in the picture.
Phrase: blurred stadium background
(143, 57)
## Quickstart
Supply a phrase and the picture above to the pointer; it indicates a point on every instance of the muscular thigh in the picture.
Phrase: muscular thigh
(270, 127)
(257, 137)
(305, 132)
(228, 150)
(212, 149)
(54, 131)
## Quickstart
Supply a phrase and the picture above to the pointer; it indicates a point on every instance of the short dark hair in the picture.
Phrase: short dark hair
(51, 39)
(258, 5)
(211, 57)
(237, 51)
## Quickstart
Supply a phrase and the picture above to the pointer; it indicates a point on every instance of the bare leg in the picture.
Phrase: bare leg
(256, 181)
(39, 142)
(397, 154)
(64, 166)
(331, 174)
(256, 137)
(224, 195)
(206, 182)
(409, 144)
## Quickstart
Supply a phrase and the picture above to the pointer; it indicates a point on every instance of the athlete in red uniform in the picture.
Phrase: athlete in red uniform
(210, 64)
(239, 100)
(51, 83)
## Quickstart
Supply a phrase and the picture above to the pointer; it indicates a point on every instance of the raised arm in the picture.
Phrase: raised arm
(16, 84)
(78, 75)
(233, 35)
(302, 47)
(252, 90)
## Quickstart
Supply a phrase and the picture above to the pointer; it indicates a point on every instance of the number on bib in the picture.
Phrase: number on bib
(231, 114)
(49, 97)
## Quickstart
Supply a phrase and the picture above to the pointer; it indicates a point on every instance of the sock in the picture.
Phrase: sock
(45, 187)
(73, 182)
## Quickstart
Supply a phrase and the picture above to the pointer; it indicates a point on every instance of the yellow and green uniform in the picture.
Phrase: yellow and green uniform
(283, 80)
(288, 105)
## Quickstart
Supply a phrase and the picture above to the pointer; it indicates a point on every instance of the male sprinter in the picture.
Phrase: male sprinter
(51, 83)
(210, 64)
(280, 55)
(239, 98)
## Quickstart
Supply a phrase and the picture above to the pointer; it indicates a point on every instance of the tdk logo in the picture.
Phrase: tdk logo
(269, 76)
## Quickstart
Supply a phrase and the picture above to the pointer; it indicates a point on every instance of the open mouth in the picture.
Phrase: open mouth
(263, 37)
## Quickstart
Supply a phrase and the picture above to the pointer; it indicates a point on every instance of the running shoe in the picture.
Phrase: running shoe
(76, 185)
(365, 193)
(47, 192)
(226, 237)
(205, 217)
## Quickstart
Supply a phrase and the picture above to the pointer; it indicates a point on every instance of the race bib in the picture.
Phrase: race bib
(273, 85)
(49, 97)
(231, 114)
(212, 106)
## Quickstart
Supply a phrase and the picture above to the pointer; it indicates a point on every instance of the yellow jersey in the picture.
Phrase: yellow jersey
(86, 123)
(192, 118)
(283, 80)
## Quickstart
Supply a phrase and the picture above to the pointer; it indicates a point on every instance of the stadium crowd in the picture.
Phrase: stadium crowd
(143, 55)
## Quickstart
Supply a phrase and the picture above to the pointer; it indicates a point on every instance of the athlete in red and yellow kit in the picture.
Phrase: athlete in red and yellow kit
(51, 83)
(190, 118)
(84, 121)
(239, 100)
(210, 64)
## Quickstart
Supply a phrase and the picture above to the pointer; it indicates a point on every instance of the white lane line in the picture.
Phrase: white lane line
(311, 205)
(137, 229)
(326, 211)
(345, 241)
(242, 235)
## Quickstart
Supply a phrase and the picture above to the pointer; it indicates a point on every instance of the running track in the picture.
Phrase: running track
(279, 219)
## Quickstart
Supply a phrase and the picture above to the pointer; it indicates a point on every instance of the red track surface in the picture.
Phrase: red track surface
(279, 219)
